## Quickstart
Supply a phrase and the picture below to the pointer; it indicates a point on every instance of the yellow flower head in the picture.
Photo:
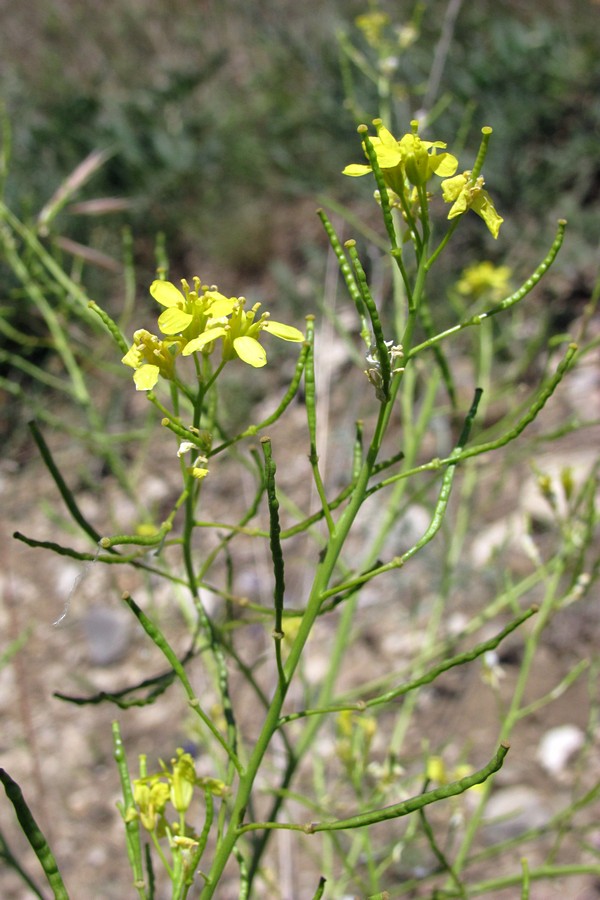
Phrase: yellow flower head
(436, 770)
(409, 158)
(150, 357)
(421, 159)
(151, 797)
(484, 279)
(466, 194)
(240, 335)
(372, 25)
(190, 311)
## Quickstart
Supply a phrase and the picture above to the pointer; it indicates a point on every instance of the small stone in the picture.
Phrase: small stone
(557, 747)
(107, 632)
(512, 811)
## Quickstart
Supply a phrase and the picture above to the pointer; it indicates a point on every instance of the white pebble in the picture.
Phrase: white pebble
(557, 747)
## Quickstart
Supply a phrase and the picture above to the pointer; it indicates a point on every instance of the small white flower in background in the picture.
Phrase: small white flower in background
(493, 673)
(396, 353)
(198, 469)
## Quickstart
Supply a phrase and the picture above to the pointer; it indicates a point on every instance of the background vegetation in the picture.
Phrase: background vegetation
(213, 130)
(221, 124)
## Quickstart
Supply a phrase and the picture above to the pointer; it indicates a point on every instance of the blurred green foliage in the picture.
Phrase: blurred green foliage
(217, 111)
(210, 107)
(531, 70)
(220, 119)
(535, 76)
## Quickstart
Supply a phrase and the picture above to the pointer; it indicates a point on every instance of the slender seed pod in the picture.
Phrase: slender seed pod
(345, 268)
(382, 351)
(35, 836)
(132, 825)
(111, 326)
(383, 194)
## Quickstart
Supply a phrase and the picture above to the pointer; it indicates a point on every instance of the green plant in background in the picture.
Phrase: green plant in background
(181, 370)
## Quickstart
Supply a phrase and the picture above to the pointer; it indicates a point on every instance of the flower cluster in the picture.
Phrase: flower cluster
(484, 279)
(438, 773)
(355, 736)
(409, 163)
(174, 784)
(465, 193)
(194, 320)
(408, 159)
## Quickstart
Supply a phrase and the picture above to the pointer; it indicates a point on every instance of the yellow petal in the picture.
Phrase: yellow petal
(198, 472)
(459, 207)
(220, 305)
(133, 357)
(428, 144)
(174, 320)
(387, 148)
(146, 377)
(447, 166)
(436, 770)
(484, 207)
(285, 332)
(166, 293)
(355, 170)
(199, 343)
(250, 351)
(452, 187)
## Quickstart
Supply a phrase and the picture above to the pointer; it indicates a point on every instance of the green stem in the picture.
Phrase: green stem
(427, 678)
(544, 395)
(512, 715)
(404, 808)
(441, 857)
(323, 574)
(35, 836)
(161, 642)
(9, 860)
(346, 270)
(550, 873)
(311, 419)
(132, 825)
(388, 219)
(518, 295)
(306, 740)
(486, 133)
(61, 484)
(285, 402)
(383, 356)
(276, 553)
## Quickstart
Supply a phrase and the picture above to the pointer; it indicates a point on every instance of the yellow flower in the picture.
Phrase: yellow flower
(466, 194)
(185, 843)
(182, 781)
(150, 357)
(372, 25)
(420, 164)
(484, 279)
(188, 312)
(217, 787)
(240, 335)
(151, 796)
(437, 772)
(198, 469)
(409, 158)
